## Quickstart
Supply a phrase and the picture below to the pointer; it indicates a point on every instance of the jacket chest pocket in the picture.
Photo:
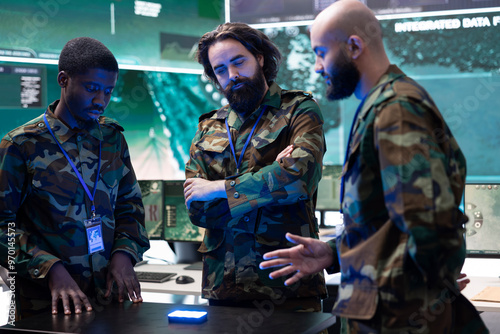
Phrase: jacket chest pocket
(111, 176)
(56, 192)
(215, 153)
(267, 143)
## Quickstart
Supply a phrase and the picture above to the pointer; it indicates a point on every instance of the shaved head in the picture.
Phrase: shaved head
(347, 40)
(345, 18)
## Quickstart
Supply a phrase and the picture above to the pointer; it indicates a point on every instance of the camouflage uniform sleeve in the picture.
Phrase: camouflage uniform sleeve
(30, 260)
(130, 233)
(335, 266)
(417, 189)
(290, 180)
(206, 214)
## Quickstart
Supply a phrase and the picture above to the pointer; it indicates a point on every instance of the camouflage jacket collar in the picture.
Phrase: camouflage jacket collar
(272, 99)
(62, 132)
(380, 93)
(273, 96)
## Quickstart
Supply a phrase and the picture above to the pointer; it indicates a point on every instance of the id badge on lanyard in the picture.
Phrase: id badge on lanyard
(93, 227)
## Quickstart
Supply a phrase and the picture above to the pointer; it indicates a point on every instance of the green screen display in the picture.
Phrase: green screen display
(166, 213)
(22, 86)
(453, 56)
(148, 33)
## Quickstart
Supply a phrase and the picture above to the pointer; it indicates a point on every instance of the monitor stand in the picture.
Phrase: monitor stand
(187, 252)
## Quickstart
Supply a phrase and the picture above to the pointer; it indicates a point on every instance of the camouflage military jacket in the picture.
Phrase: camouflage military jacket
(44, 202)
(402, 245)
(266, 200)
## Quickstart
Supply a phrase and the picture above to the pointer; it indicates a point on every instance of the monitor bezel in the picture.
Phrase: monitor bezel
(475, 182)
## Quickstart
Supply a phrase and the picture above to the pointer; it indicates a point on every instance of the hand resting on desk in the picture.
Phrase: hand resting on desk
(121, 271)
(63, 287)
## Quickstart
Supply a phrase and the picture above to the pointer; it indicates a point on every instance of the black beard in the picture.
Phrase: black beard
(246, 99)
(343, 80)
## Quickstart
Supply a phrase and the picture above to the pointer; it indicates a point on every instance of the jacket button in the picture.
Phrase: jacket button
(41, 125)
(246, 219)
(236, 195)
(232, 183)
(36, 272)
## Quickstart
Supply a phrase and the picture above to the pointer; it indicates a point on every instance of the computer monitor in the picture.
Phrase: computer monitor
(167, 218)
(179, 230)
(482, 206)
(152, 198)
(329, 188)
(178, 227)
(166, 213)
(328, 201)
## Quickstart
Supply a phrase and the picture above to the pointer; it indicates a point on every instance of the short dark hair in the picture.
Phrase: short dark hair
(252, 39)
(82, 54)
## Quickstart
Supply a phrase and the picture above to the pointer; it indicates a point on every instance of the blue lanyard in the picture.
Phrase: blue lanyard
(347, 153)
(350, 137)
(91, 196)
(246, 143)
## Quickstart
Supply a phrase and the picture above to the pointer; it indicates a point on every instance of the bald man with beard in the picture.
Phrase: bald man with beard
(402, 247)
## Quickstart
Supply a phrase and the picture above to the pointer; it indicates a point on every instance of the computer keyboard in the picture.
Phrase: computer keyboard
(155, 277)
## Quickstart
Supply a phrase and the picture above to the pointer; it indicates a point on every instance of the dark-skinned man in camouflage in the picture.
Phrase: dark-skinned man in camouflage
(71, 212)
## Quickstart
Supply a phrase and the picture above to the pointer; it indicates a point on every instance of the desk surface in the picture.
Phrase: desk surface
(152, 318)
(478, 284)
(191, 288)
(171, 286)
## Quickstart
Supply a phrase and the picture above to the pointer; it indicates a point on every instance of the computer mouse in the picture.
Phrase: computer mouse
(183, 279)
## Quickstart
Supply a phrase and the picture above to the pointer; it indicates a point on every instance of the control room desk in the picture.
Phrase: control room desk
(171, 287)
(152, 318)
(478, 284)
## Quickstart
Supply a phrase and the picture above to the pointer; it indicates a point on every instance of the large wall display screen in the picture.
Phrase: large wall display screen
(140, 33)
(265, 11)
(454, 56)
